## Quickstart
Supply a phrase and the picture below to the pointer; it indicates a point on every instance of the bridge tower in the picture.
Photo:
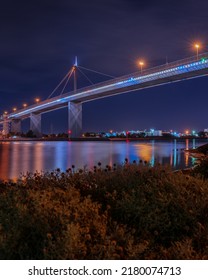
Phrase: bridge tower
(75, 111)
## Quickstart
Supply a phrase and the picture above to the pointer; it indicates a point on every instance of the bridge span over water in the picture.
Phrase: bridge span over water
(172, 72)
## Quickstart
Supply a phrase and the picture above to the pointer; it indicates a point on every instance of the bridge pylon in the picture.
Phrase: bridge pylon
(5, 130)
(35, 124)
(74, 119)
(75, 74)
(16, 126)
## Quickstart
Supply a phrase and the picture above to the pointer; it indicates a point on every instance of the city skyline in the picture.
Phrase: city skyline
(34, 59)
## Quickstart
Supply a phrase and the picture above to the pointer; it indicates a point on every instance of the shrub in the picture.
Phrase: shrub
(131, 211)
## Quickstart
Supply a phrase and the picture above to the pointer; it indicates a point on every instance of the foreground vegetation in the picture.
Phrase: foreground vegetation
(132, 211)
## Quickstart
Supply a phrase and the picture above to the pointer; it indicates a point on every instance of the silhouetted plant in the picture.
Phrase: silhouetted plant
(130, 211)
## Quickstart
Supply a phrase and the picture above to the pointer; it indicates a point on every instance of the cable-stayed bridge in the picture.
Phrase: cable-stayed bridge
(172, 72)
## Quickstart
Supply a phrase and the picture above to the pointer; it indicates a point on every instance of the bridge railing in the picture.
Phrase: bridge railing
(144, 72)
(155, 69)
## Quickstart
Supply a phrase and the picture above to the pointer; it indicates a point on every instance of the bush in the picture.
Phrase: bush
(201, 169)
(131, 211)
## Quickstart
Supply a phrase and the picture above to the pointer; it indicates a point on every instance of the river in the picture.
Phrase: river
(20, 157)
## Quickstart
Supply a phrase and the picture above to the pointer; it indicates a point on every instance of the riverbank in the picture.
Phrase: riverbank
(129, 211)
(44, 139)
(203, 149)
(200, 153)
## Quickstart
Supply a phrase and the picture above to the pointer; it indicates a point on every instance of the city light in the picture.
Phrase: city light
(24, 105)
(15, 109)
(37, 100)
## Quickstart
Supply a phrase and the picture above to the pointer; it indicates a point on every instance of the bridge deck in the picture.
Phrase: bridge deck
(172, 72)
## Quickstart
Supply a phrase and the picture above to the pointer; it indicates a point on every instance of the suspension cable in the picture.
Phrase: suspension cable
(65, 77)
(96, 72)
(85, 76)
(69, 76)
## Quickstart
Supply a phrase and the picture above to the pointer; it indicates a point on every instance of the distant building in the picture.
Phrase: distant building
(154, 132)
(157, 133)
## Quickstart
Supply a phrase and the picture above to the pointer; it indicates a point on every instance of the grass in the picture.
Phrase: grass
(130, 211)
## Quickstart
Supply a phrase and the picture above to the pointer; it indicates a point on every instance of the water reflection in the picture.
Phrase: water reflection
(22, 157)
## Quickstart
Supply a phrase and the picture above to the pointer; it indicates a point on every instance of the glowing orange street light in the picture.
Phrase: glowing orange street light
(37, 100)
(14, 109)
(24, 105)
(197, 46)
(5, 112)
(141, 63)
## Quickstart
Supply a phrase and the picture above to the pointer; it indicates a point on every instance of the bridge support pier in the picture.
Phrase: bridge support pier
(35, 124)
(16, 126)
(5, 131)
(74, 119)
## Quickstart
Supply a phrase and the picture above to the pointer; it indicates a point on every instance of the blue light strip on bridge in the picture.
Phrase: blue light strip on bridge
(120, 84)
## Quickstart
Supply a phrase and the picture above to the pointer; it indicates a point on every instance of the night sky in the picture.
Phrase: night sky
(40, 38)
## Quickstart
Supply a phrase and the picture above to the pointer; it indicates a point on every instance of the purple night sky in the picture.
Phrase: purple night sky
(40, 39)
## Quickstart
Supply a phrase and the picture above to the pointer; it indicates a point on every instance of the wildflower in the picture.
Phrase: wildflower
(68, 170)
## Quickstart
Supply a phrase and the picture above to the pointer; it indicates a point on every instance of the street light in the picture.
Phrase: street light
(14, 109)
(197, 46)
(37, 100)
(141, 63)
(24, 105)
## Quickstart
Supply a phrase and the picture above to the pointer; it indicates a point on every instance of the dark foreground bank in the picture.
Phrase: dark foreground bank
(132, 211)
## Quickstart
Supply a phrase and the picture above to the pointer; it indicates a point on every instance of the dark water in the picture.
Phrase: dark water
(20, 157)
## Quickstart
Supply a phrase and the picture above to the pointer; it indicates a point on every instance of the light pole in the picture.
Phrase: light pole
(141, 63)
(197, 46)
